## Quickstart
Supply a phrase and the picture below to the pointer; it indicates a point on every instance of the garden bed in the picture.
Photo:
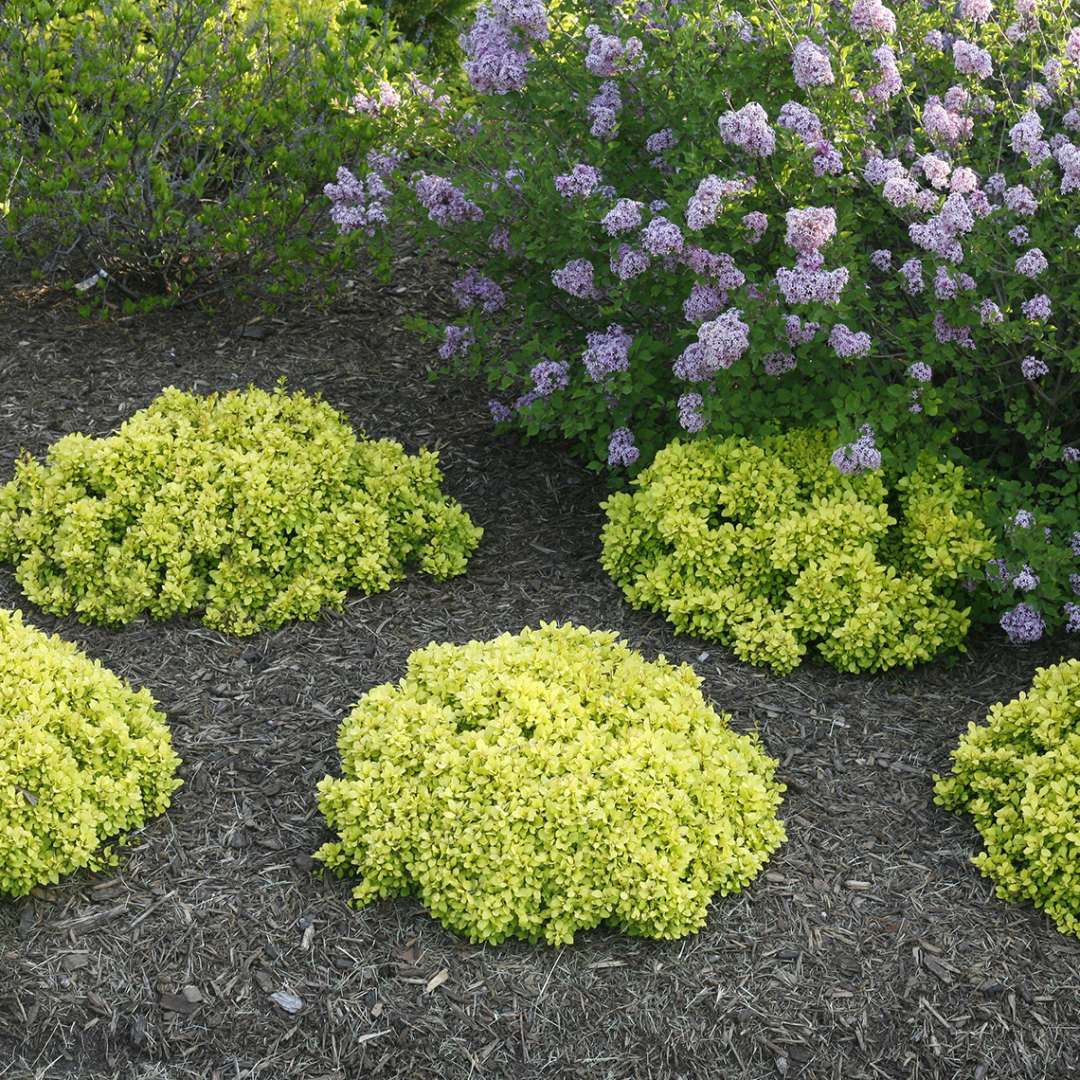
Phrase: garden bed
(869, 948)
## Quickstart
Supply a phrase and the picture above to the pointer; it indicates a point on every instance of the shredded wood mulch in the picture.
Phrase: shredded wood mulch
(869, 948)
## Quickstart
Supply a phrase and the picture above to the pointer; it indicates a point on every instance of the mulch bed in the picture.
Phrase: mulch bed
(870, 947)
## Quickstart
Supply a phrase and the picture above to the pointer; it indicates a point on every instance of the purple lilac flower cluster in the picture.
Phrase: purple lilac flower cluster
(847, 343)
(810, 65)
(608, 56)
(608, 351)
(446, 205)
(473, 289)
(622, 450)
(457, 341)
(690, 415)
(357, 204)
(748, 129)
(707, 202)
(549, 376)
(579, 183)
(720, 343)
(498, 46)
(1023, 624)
(576, 278)
(860, 456)
(604, 110)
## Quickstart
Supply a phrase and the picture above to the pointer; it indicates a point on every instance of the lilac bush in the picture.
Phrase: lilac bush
(881, 236)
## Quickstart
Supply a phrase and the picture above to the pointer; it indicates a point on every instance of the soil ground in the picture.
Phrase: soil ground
(870, 948)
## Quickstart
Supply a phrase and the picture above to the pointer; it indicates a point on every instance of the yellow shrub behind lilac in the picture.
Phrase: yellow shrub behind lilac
(771, 550)
(545, 783)
(83, 758)
(1018, 776)
(252, 508)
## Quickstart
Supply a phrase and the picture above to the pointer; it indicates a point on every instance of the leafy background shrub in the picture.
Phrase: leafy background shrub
(167, 141)
(657, 239)
(1018, 776)
(250, 508)
(83, 758)
(768, 548)
(549, 782)
(435, 23)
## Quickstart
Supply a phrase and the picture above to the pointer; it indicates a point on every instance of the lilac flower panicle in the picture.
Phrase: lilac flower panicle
(690, 415)
(971, 60)
(445, 204)
(628, 263)
(549, 376)
(473, 289)
(623, 217)
(756, 224)
(608, 351)
(1072, 615)
(872, 17)
(810, 229)
(576, 278)
(660, 141)
(579, 183)
(1070, 455)
(802, 121)
(1023, 624)
(1033, 368)
(1026, 580)
(859, 456)
(721, 342)
(458, 340)
(1037, 309)
(810, 65)
(748, 129)
(662, 237)
(500, 413)
(847, 343)
(1032, 263)
(920, 371)
(881, 260)
(1023, 519)
(778, 363)
(622, 451)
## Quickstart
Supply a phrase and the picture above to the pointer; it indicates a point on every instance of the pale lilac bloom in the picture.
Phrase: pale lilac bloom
(1034, 368)
(810, 65)
(662, 237)
(608, 351)
(871, 16)
(756, 223)
(1023, 624)
(920, 371)
(802, 121)
(1032, 263)
(881, 260)
(810, 229)
(690, 417)
(1037, 309)
(720, 343)
(576, 278)
(458, 340)
(623, 217)
(971, 60)
(579, 183)
(748, 129)
(847, 343)
(621, 448)
(474, 289)
(705, 302)
(628, 263)
(778, 363)
(860, 456)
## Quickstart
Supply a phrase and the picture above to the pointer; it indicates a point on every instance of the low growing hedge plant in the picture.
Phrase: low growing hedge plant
(83, 758)
(1018, 777)
(773, 549)
(548, 782)
(249, 508)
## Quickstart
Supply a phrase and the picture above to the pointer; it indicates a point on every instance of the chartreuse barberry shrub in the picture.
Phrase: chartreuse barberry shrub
(721, 216)
(772, 550)
(250, 508)
(548, 782)
(83, 758)
(1018, 776)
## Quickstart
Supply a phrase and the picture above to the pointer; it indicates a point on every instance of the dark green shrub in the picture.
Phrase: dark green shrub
(160, 141)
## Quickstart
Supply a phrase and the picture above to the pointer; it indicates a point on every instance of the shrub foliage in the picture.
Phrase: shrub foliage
(716, 216)
(770, 549)
(164, 142)
(251, 508)
(83, 758)
(549, 782)
(1018, 776)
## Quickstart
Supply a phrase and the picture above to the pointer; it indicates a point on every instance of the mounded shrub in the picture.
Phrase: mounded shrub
(250, 508)
(1018, 776)
(83, 758)
(548, 782)
(771, 549)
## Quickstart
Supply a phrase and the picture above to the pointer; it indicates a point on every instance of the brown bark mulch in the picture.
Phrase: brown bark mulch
(870, 948)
